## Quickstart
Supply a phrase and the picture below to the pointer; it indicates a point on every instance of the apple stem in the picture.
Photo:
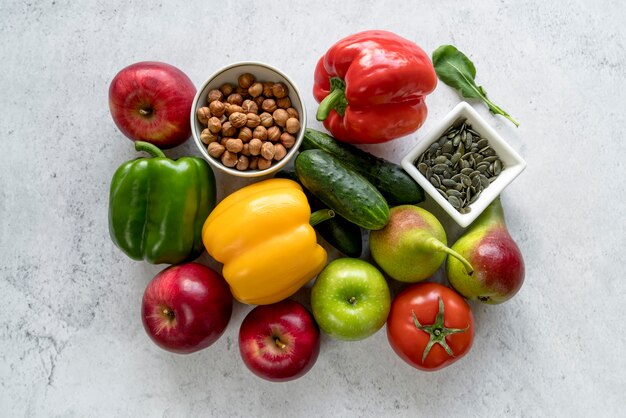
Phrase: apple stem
(352, 300)
(151, 149)
(145, 112)
(439, 246)
(169, 313)
(279, 343)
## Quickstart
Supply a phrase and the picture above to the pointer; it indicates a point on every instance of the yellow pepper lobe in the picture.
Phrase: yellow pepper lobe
(262, 235)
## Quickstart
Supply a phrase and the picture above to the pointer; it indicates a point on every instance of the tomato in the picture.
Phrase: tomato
(430, 326)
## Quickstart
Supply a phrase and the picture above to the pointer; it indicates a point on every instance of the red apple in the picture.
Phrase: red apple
(279, 342)
(186, 308)
(151, 101)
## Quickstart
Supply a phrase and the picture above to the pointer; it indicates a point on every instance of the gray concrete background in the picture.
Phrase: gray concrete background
(71, 339)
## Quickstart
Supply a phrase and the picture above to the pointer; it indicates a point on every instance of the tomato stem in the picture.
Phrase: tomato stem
(437, 331)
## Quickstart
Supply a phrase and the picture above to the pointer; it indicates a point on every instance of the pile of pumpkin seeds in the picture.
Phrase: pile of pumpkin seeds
(460, 165)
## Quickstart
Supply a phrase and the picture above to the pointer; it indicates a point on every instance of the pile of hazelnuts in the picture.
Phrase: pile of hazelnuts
(249, 126)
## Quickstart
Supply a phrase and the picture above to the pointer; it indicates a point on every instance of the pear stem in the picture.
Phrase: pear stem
(438, 245)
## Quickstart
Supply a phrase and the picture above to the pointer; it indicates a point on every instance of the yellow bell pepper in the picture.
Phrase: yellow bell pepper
(261, 233)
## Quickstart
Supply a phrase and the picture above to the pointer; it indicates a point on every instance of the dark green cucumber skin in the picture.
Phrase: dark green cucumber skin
(338, 231)
(390, 179)
(341, 189)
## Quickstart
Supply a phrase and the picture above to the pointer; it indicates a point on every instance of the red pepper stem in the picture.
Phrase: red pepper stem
(151, 149)
(321, 216)
(329, 103)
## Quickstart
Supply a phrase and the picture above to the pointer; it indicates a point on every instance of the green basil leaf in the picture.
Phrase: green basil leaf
(458, 71)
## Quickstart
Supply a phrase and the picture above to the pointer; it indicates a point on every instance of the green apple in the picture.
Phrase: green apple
(350, 299)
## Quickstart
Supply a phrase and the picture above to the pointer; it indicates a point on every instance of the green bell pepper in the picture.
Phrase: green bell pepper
(157, 206)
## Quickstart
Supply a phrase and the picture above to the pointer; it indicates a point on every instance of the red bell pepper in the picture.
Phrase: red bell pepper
(371, 87)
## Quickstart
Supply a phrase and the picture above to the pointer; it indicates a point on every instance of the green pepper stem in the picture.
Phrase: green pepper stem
(328, 104)
(321, 216)
(151, 149)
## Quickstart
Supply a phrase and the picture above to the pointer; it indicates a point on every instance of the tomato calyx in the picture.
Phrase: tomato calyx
(437, 331)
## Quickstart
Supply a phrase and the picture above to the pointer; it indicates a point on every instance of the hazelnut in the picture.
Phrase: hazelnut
(284, 103)
(245, 80)
(268, 105)
(259, 101)
(241, 91)
(267, 89)
(292, 126)
(254, 163)
(226, 89)
(231, 108)
(255, 90)
(204, 113)
(253, 120)
(229, 159)
(207, 136)
(224, 140)
(254, 146)
(215, 125)
(235, 98)
(234, 145)
(279, 90)
(238, 119)
(214, 95)
(293, 113)
(245, 134)
(249, 106)
(279, 152)
(273, 133)
(260, 133)
(217, 108)
(287, 140)
(245, 150)
(264, 164)
(228, 129)
(216, 149)
(267, 150)
(266, 119)
(280, 117)
(242, 163)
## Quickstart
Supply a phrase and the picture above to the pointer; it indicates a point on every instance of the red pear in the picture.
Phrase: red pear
(497, 261)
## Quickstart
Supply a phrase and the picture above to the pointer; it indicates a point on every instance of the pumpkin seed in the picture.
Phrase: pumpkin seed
(467, 171)
(455, 202)
(439, 168)
(447, 147)
(497, 167)
(434, 180)
(448, 182)
(453, 192)
(456, 141)
(423, 168)
(441, 160)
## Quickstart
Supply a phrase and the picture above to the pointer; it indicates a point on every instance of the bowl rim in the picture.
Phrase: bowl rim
(293, 88)
(464, 110)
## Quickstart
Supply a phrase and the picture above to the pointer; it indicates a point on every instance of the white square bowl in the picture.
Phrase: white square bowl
(513, 163)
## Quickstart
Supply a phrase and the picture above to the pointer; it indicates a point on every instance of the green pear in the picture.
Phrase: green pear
(498, 263)
(412, 246)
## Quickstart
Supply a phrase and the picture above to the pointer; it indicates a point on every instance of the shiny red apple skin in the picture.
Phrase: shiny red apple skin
(279, 342)
(186, 308)
(151, 101)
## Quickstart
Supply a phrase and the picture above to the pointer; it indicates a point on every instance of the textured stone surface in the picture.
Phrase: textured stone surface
(71, 338)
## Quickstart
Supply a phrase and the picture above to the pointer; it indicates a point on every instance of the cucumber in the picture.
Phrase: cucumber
(390, 179)
(338, 231)
(341, 189)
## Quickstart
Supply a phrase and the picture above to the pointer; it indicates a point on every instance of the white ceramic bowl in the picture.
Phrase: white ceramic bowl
(229, 74)
(513, 163)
